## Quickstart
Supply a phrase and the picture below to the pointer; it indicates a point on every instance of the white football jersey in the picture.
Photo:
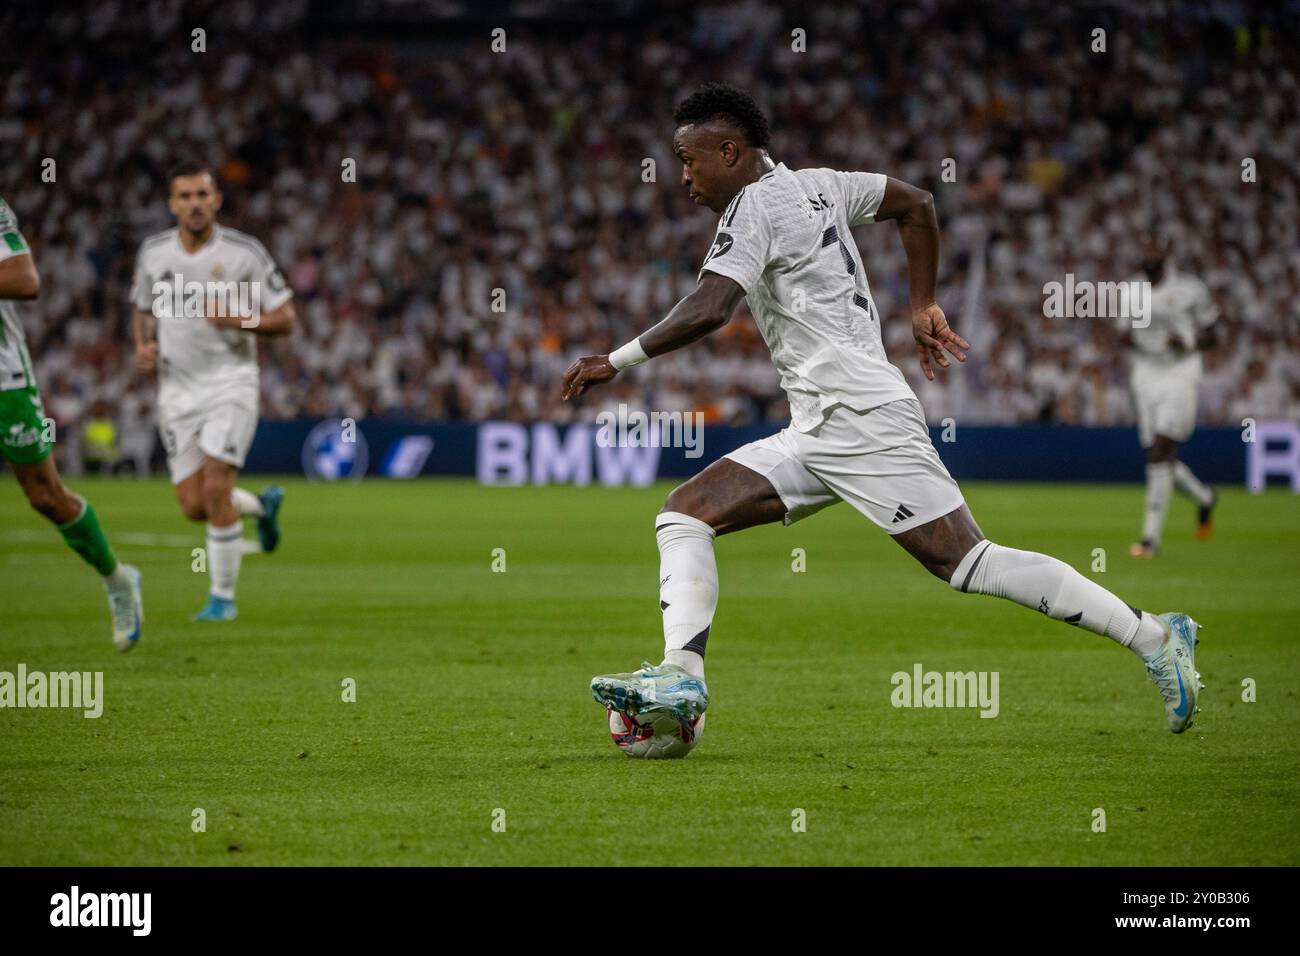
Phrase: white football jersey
(15, 361)
(1181, 306)
(200, 365)
(785, 240)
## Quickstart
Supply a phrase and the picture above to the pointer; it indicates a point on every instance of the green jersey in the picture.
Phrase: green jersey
(15, 360)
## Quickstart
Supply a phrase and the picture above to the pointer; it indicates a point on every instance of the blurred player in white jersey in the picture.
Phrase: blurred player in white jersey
(202, 294)
(857, 433)
(1165, 373)
(26, 442)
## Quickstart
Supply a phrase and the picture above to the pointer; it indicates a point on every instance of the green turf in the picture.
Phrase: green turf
(472, 691)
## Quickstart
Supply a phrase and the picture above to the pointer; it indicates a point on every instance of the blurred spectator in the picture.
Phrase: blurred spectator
(99, 440)
(517, 178)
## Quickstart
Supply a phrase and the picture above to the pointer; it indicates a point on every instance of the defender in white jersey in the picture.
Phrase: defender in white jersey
(27, 437)
(857, 432)
(202, 294)
(1165, 373)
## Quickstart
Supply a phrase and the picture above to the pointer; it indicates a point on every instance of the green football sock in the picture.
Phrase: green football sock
(86, 537)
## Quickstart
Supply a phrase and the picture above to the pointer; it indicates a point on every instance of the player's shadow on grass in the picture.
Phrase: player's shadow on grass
(614, 757)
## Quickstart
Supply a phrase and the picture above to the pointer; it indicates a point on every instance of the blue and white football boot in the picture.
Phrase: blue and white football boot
(217, 609)
(1173, 669)
(268, 526)
(663, 688)
(126, 607)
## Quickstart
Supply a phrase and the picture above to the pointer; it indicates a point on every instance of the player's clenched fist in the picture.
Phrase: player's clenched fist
(146, 357)
(585, 372)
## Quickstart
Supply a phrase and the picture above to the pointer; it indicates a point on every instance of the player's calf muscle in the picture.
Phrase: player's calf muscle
(218, 483)
(46, 492)
(1162, 449)
(189, 495)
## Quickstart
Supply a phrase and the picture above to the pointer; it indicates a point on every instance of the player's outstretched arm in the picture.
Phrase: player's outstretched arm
(19, 278)
(913, 209)
(705, 310)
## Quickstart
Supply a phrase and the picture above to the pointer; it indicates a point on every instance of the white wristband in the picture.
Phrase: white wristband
(628, 355)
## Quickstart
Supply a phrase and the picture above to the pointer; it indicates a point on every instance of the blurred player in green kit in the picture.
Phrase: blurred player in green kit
(24, 442)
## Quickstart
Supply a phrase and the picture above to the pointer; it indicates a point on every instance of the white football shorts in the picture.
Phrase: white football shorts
(880, 461)
(224, 432)
(1168, 410)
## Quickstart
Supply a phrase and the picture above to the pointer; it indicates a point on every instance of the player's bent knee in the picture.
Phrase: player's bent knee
(943, 570)
(212, 509)
(942, 566)
(44, 499)
(1162, 450)
(192, 506)
(46, 494)
(683, 500)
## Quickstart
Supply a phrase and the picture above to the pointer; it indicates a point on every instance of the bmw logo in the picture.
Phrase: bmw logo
(335, 450)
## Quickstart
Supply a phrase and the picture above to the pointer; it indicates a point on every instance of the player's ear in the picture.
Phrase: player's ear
(730, 152)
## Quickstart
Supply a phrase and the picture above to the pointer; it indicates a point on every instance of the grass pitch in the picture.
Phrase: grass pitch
(471, 691)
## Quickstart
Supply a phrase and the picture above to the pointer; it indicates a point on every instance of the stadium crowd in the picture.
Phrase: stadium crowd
(526, 171)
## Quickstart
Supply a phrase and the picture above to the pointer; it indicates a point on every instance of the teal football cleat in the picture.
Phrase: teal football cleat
(217, 609)
(1173, 669)
(127, 608)
(268, 526)
(653, 689)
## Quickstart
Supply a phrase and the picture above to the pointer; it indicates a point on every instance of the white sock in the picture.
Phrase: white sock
(118, 577)
(225, 549)
(1053, 587)
(1190, 485)
(246, 503)
(688, 588)
(1160, 480)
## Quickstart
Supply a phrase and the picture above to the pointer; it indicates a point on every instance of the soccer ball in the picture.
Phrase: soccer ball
(655, 736)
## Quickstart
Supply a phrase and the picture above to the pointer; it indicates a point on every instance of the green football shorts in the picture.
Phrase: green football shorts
(22, 426)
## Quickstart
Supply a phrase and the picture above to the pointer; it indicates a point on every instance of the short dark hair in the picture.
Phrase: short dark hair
(714, 101)
(189, 167)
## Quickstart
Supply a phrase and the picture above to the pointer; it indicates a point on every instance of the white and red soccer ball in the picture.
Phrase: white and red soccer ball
(655, 736)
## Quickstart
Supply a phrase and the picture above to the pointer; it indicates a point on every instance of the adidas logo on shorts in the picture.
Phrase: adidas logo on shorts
(902, 514)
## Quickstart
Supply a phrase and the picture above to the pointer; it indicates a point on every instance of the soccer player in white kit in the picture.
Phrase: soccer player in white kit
(208, 292)
(1165, 372)
(857, 433)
